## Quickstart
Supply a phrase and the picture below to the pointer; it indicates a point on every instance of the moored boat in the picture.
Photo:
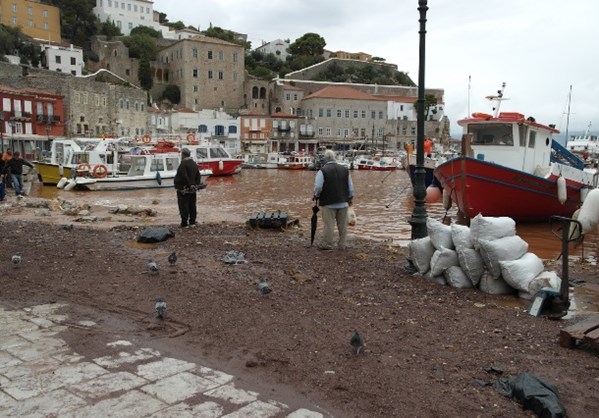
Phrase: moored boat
(511, 166)
(376, 164)
(295, 162)
(212, 156)
(144, 171)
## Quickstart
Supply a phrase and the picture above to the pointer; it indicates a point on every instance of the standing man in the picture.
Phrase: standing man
(14, 167)
(334, 190)
(187, 181)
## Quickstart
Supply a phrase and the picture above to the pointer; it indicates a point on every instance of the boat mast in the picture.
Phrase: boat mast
(568, 114)
(498, 99)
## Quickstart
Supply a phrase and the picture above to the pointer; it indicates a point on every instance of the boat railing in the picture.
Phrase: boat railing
(560, 154)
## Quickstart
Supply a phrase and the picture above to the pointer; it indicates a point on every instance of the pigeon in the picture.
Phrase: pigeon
(160, 308)
(172, 259)
(356, 342)
(16, 259)
(263, 287)
(152, 266)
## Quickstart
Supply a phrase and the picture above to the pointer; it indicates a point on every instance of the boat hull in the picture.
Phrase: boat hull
(221, 168)
(369, 167)
(123, 183)
(494, 190)
(51, 173)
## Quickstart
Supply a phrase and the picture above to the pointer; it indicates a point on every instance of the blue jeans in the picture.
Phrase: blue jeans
(17, 183)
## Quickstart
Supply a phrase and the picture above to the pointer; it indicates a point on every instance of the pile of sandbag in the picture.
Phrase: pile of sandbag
(488, 255)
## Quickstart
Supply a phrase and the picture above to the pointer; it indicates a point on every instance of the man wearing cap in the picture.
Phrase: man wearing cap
(186, 181)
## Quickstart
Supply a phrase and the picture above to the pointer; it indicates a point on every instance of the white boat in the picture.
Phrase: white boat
(584, 144)
(144, 171)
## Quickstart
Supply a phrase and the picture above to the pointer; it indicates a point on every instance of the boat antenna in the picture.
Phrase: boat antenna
(497, 99)
(588, 130)
(568, 113)
(469, 81)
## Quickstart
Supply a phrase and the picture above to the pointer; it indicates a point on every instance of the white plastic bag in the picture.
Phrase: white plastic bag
(351, 216)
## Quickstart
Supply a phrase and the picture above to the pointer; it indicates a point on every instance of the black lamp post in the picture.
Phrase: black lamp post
(418, 219)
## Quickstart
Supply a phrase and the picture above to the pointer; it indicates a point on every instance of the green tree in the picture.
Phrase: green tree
(430, 100)
(172, 94)
(144, 74)
(77, 21)
(109, 29)
(141, 46)
(146, 30)
(310, 44)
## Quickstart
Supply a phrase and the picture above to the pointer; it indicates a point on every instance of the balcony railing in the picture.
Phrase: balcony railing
(41, 118)
(54, 118)
(307, 134)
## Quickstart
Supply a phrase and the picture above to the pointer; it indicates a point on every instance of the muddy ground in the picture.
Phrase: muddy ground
(428, 348)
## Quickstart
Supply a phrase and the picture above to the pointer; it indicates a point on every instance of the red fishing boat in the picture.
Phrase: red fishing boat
(511, 166)
(212, 156)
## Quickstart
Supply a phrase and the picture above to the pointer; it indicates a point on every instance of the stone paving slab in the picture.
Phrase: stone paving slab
(42, 377)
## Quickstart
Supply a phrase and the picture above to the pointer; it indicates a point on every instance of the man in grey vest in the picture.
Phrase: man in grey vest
(334, 190)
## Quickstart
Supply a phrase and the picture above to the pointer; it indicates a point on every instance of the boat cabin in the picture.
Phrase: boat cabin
(510, 140)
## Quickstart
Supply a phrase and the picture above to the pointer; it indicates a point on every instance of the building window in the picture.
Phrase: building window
(73, 61)
(287, 96)
(235, 76)
(328, 113)
(127, 104)
(30, 23)
(339, 113)
(328, 131)
(221, 75)
(355, 114)
(320, 112)
(401, 108)
(97, 97)
(347, 113)
(234, 56)
(85, 98)
(373, 114)
(209, 54)
(130, 25)
(77, 98)
(363, 114)
(196, 89)
(30, 11)
(194, 73)
(221, 55)
(194, 52)
(14, 7)
(209, 74)
(295, 96)
(45, 25)
(320, 131)
(380, 115)
(13, 20)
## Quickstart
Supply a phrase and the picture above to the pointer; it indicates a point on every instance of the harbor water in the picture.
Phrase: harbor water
(383, 203)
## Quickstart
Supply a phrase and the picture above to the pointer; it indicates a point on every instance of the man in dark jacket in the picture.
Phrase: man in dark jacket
(14, 167)
(187, 182)
(334, 190)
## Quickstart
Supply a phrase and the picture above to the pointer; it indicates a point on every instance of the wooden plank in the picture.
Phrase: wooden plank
(587, 329)
(592, 336)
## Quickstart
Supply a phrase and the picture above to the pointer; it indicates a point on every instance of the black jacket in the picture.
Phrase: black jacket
(335, 188)
(188, 175)
(15, 166)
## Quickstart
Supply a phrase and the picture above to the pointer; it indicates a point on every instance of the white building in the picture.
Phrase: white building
(63, 59)
(128, 14)
(278, 48)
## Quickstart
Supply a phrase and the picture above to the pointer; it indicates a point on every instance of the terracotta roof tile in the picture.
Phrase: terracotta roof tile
(340, 92)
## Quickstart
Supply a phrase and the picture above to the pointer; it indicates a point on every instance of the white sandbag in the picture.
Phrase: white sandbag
(471, 263)
(589, 212)
(420, 252)
(443, 259)
(494, 286)
(439, 233)
(501, 249)
(460, 235)
(490, 228)
(545, 279)
(519, 273)
(435, 279)
(455, 277)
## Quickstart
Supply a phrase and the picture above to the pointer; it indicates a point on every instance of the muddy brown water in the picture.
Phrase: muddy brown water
(383, 203)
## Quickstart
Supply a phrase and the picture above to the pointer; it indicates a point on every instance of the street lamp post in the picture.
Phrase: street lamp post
(418, 219)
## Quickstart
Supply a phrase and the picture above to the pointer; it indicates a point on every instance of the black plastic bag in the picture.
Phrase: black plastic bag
(534, 394)
(158, 234)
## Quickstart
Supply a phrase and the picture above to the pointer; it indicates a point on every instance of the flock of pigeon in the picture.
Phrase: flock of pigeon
(264, 288)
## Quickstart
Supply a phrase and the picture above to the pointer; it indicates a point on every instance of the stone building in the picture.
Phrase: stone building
(278, 48)
(208, 71)
(91, 108)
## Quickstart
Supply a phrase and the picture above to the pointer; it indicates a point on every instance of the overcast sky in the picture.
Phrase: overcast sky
(538, 47)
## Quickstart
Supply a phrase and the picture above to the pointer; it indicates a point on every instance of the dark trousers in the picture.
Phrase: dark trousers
(187, 207)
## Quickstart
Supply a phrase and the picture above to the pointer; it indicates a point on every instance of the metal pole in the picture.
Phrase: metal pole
(418, 219)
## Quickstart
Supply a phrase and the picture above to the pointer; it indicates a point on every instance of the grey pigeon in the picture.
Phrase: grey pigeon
(356, 342)
(172, 259)
(152, 266)
(160, 308)
(263, 287)
(16, 259)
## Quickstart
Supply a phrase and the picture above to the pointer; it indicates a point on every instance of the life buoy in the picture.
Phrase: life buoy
(83, 168)
(100, 171)
(146, 139)
(481, 116)
(178, 138)
(191, 138)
